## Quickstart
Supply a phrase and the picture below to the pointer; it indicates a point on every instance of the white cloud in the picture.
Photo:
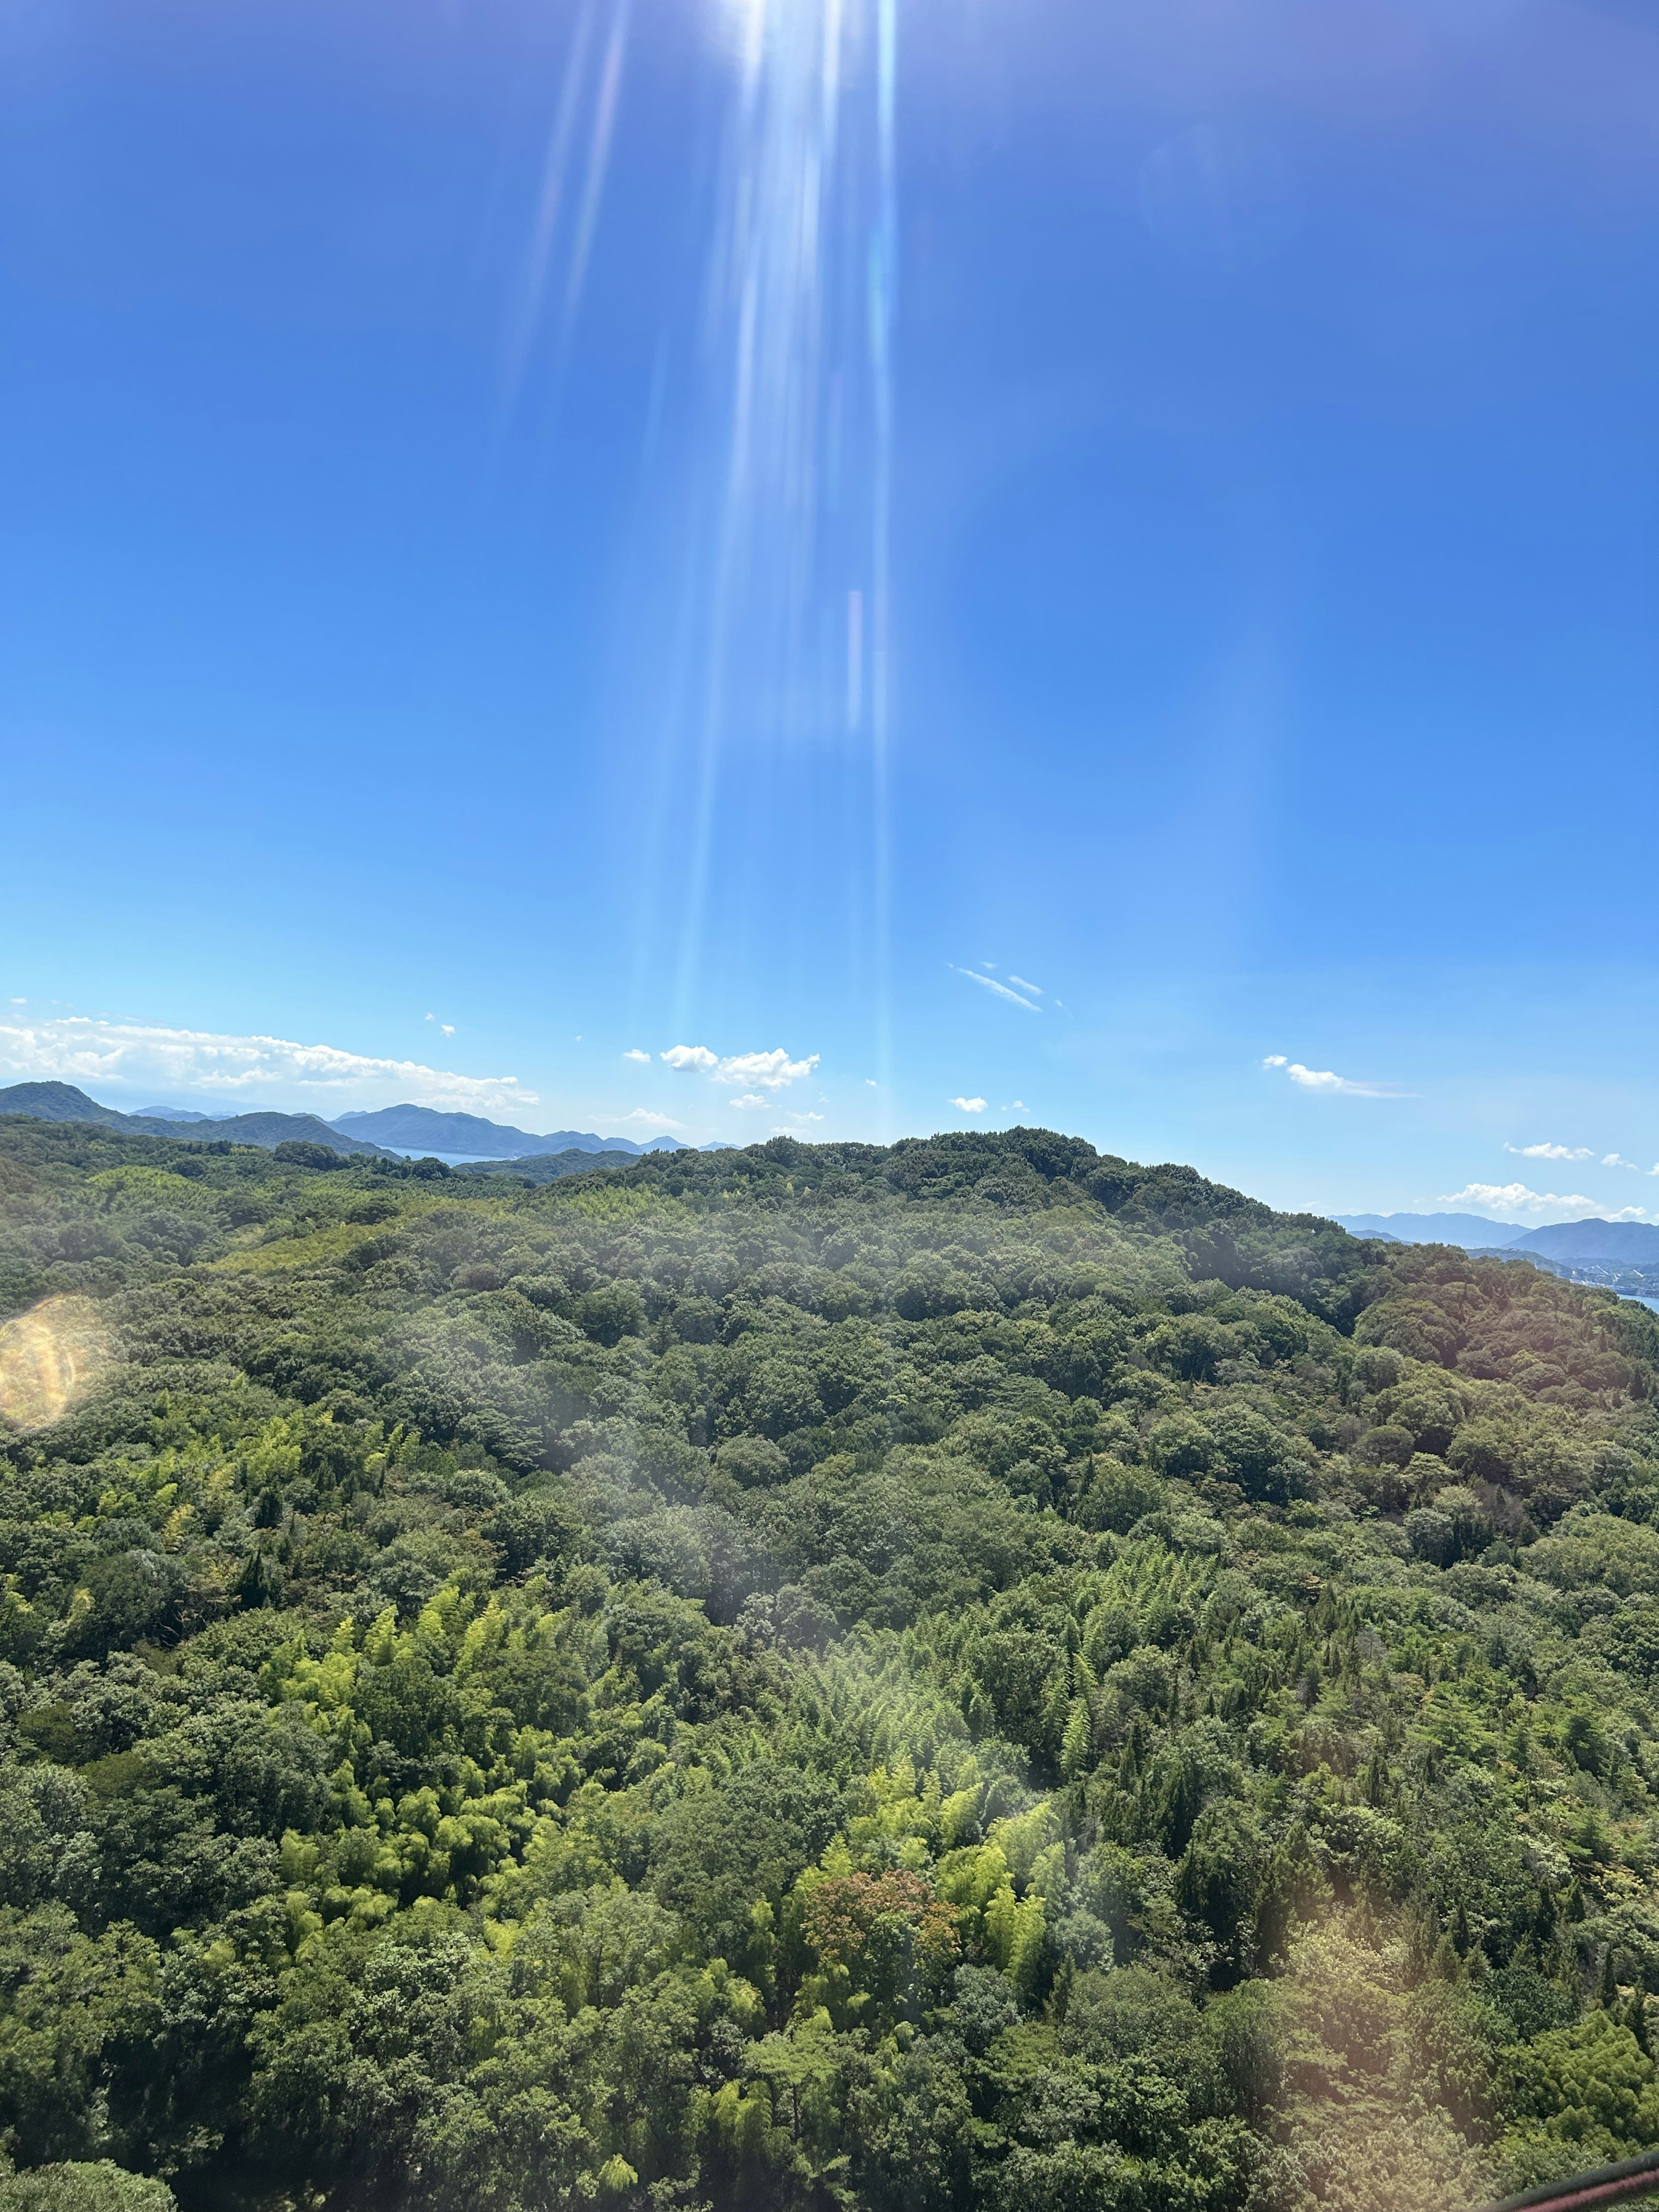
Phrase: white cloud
(1553, 1152)
(642, 1118)
(750, 1098)
(970, 1105)
(1018, 1106)
(1324, 1078)
(1319, 1078)
(1020, 983)
(773, 1070)
(795, 1123)
(874, 1085)
(447, 1028)
(1516, 1200)
(1617, 1160)
(74, 1049)
(1001, 989)
(643, 1058)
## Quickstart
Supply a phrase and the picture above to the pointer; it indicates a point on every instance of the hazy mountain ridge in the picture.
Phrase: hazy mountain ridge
(406, 1126)
(1625, 1243)
(385, 1132)
(63, 1101)
(1473, 1232)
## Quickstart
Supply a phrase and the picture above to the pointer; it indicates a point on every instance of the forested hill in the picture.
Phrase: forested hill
(968, 1675)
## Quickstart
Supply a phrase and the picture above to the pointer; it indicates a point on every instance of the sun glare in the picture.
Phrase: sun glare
(51, 1358)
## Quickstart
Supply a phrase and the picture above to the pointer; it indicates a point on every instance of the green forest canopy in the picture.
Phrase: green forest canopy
(971, 1674)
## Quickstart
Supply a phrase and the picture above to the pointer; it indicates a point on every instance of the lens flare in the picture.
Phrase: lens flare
(51, 1358)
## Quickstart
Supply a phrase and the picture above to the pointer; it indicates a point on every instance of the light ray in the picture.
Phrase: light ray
(599, 161)
(795, 592)
(539, 257)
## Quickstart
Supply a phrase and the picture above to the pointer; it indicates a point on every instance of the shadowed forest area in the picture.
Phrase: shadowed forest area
(968, 1675)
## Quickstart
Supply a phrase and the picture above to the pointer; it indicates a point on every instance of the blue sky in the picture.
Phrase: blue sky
(537, 535)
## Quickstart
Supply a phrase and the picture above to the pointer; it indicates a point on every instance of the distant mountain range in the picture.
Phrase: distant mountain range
(1624, 1243)
(385, 1135)
(1627, 1244)
(1473, 1232)
(422, 1129)
(62, 1102)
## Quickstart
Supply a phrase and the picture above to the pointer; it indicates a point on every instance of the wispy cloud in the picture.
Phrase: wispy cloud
(1617, 1160)
(970, 1105)
(750, 1098)
(74, 1048)
(1557, 1152)
(1516, 1200)
(642, 1118)
(989, 984)
(643, 1058)
(445, 1029)
(1325, 1079)
(1020, 983)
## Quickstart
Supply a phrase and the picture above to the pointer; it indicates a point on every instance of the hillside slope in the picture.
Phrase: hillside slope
(57, 1102)
(972, 1674)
